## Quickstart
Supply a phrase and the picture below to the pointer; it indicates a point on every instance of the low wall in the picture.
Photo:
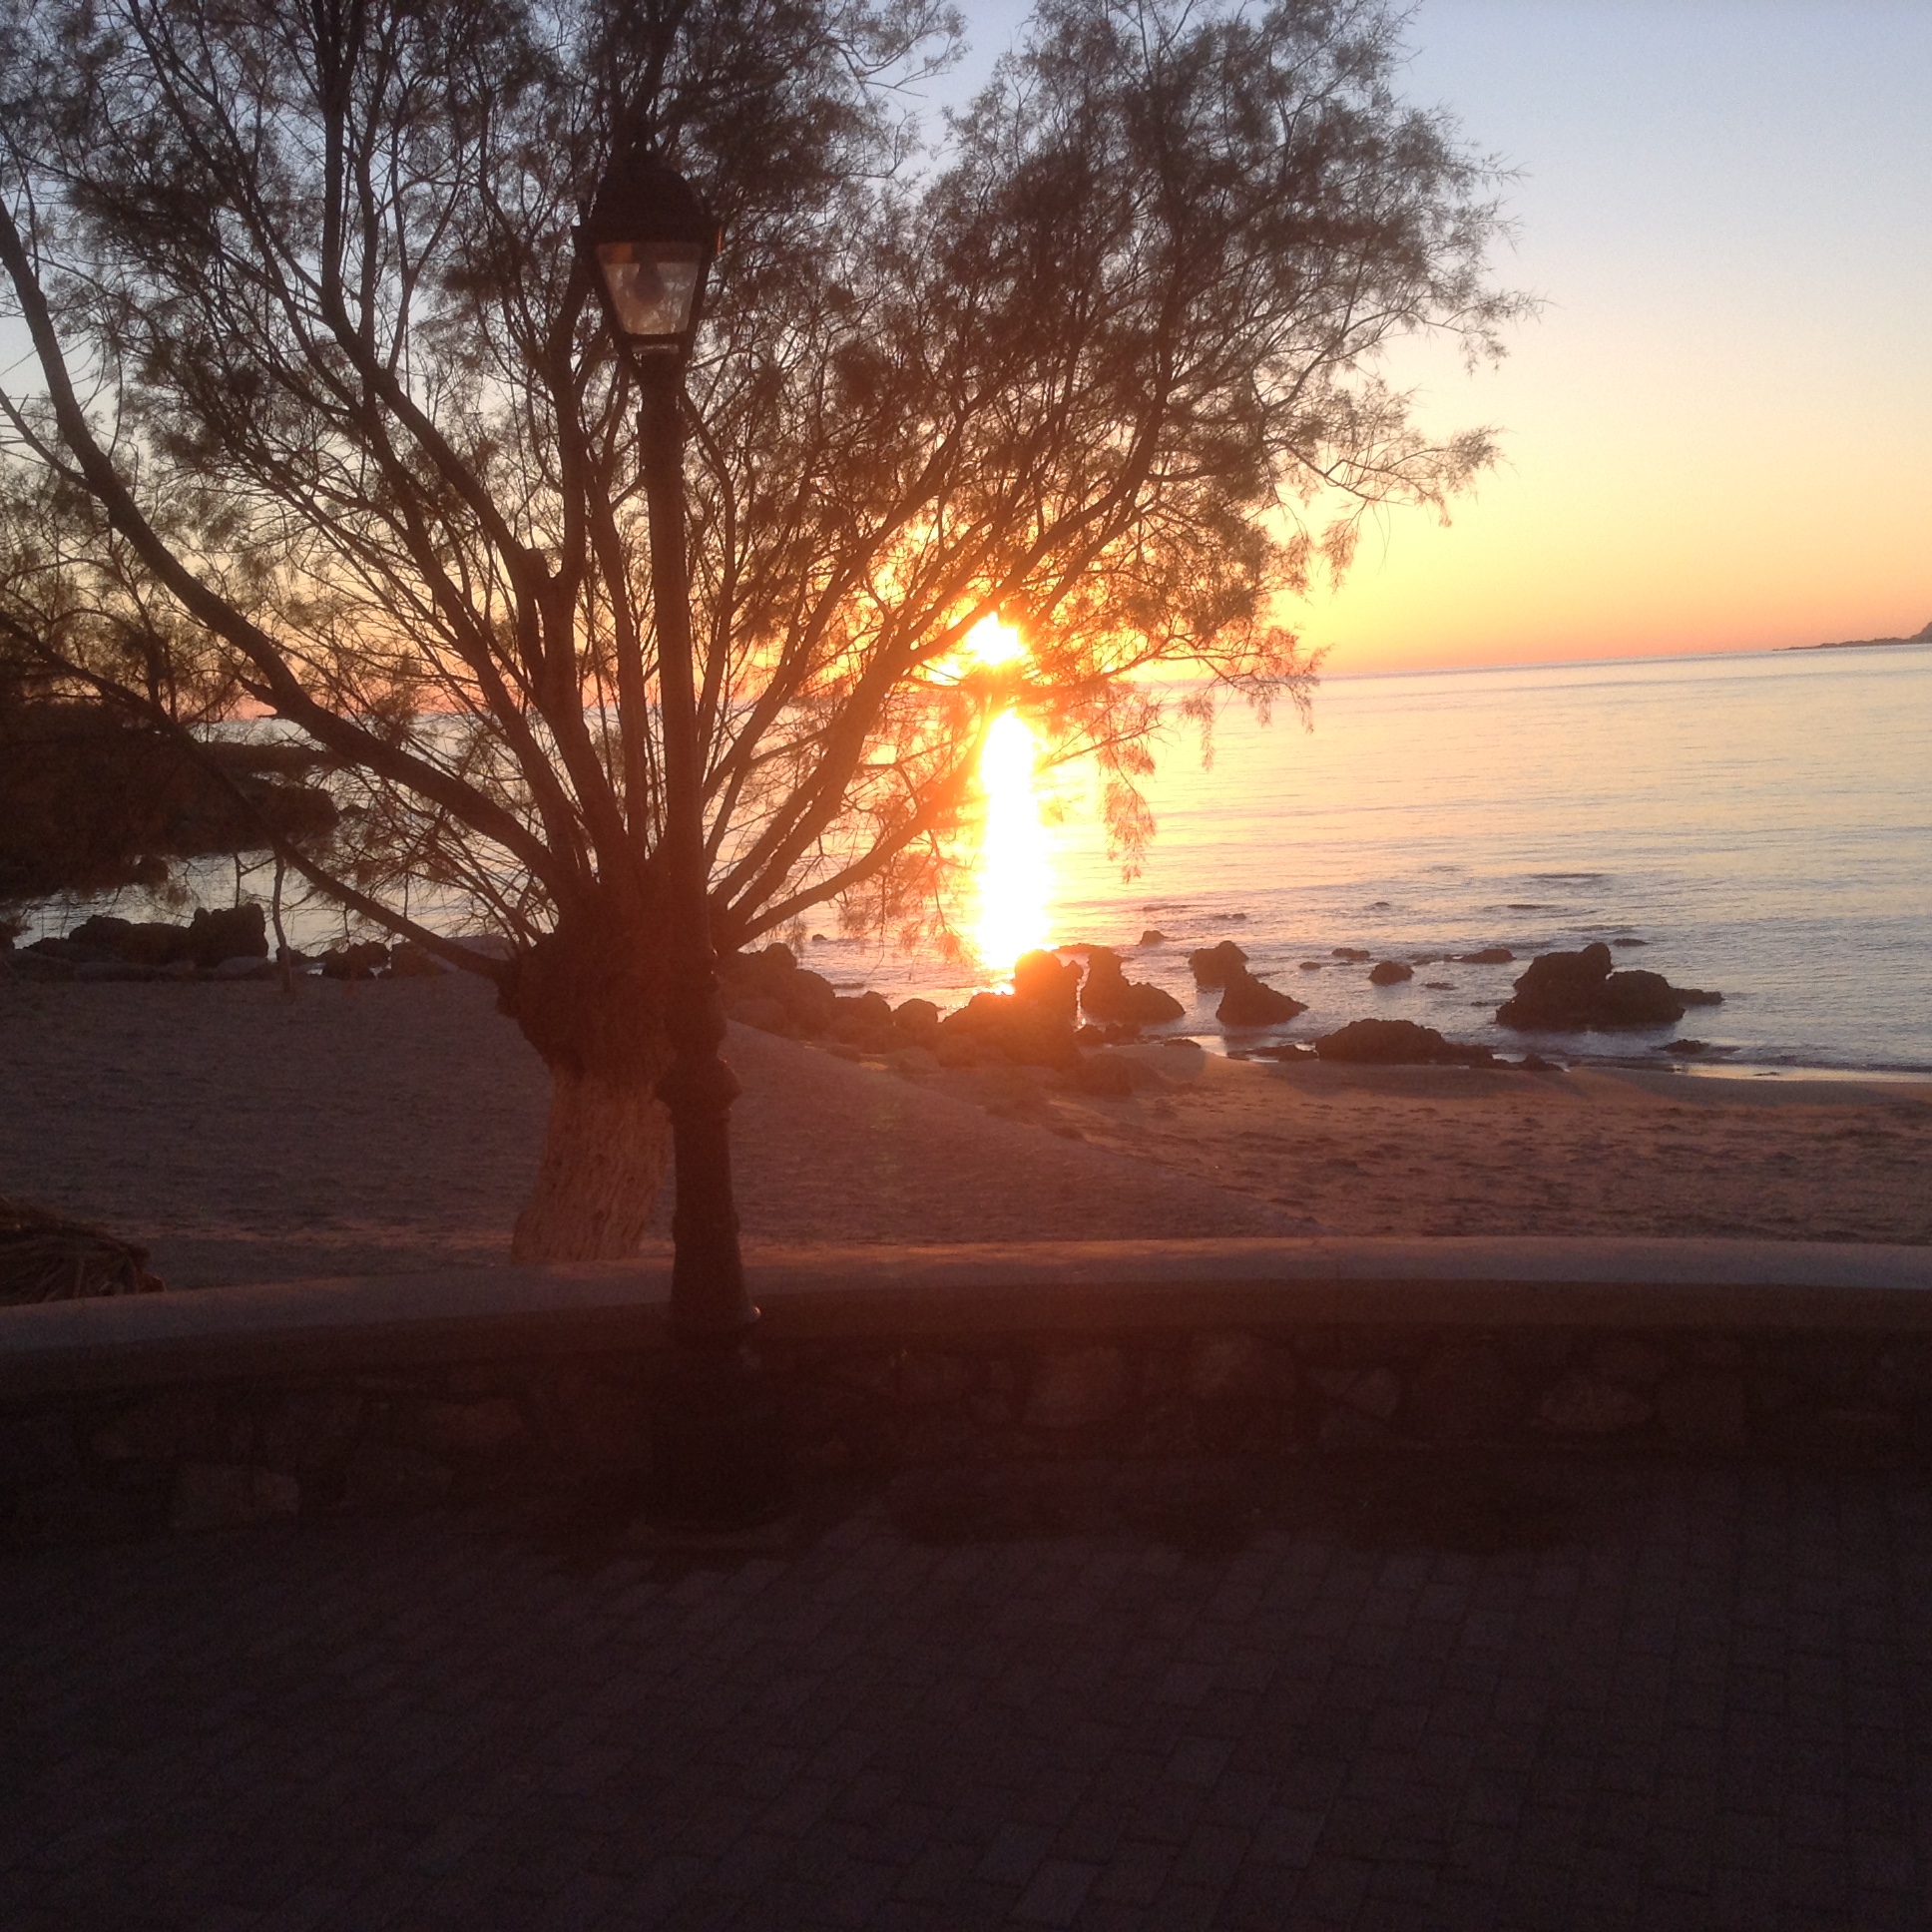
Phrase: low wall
(232, 1406)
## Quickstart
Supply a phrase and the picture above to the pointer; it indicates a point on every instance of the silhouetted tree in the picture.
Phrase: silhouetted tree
(322, 397)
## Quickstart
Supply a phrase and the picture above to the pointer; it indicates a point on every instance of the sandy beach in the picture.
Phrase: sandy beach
(396, 1125)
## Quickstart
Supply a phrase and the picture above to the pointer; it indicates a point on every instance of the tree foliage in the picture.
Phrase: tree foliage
(320, 419)
(342, 406)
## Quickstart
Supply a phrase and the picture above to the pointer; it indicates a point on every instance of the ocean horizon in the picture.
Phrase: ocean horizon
(1753, 824)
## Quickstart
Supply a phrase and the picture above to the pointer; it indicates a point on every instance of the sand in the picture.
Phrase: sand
(395, 1126)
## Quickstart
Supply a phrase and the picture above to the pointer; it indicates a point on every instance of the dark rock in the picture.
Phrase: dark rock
(1008, 1026)
(362, 960)
(1697, 996)
(411, 961)
(774, 974)
(1107, 996)
(1397, 1042)
(1488, 956)
(1685, 1048)
(1390, 972)
(1152, 937)
(1578, 992)
(866, 1022)
(1630, 942)
(1438, 986)
(1352, 955)
(1048, 983)
(1250, 1002)
(1465, 1393)
(918, 1020)
(229, 932)
(1216, 965)
(1311, 965)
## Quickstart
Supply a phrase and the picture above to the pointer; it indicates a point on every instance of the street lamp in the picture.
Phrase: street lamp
(717, 1458)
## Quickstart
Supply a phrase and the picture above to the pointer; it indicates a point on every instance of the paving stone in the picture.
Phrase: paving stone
(1666, 1696)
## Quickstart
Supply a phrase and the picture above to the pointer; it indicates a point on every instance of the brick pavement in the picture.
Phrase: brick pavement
(1399, 1697)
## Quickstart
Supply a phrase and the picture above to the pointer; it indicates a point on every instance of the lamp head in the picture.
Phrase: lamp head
(651, 241)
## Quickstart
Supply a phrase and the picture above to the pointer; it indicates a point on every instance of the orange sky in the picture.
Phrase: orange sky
(1718, 435)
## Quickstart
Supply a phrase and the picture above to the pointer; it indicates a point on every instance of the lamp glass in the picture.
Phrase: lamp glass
(652, 286)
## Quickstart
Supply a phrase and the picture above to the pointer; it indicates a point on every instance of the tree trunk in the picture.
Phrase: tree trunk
(590, 998)
(606, 1149)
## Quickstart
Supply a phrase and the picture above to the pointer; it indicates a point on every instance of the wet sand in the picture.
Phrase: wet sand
(395, 1126)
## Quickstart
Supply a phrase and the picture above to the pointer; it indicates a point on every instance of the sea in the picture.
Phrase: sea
(1760, 825)
(1756, 824)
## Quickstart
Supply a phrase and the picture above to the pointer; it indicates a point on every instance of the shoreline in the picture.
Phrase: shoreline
(392, 1127)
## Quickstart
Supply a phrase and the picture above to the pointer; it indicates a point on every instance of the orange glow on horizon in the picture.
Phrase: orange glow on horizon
(993, 642)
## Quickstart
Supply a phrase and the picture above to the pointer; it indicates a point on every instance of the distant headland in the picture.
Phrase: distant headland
(1862, 644)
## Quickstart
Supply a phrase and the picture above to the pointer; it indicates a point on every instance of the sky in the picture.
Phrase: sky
(1718, 435)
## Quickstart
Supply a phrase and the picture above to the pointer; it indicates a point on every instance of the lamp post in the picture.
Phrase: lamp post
(716, 1459)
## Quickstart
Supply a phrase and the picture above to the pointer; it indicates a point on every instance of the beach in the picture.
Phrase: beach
(394, 1125)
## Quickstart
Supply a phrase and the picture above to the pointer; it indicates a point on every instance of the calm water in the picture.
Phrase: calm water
(1762, 824)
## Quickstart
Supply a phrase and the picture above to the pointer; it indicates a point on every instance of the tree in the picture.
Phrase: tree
(323, 417)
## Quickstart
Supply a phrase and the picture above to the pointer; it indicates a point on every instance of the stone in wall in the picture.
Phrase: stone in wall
(1074, 1388)
(229, 1496)
(1465, 1393)
(1586, 1405)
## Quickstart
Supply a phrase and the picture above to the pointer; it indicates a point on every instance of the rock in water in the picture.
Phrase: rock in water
(1390, 972)
(1153, 936)
(1216, 965)
(1250, 1002)
(1578, 992)
(1025, 1033)
(233, 932)
(1041, 978)
(1109, 997)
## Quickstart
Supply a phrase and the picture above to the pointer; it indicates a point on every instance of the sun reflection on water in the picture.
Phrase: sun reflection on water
(1015, 863)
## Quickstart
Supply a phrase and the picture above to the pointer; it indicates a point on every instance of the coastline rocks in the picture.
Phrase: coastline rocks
(1397, 1042)
(1021, 1030)
(918, 1020)
(363, 960)
(1041, 978)
(806, 997)
(1216, 965)
(1487, 956)
(1109, 998)
(1250, 1002)
(1578, 992)
(1389, 972)
(1350, 955)
(1153, 936)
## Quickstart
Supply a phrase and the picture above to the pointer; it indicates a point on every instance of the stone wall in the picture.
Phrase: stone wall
(208, 1455)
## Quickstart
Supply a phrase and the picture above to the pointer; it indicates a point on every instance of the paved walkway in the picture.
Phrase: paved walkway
(1399, 1698)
